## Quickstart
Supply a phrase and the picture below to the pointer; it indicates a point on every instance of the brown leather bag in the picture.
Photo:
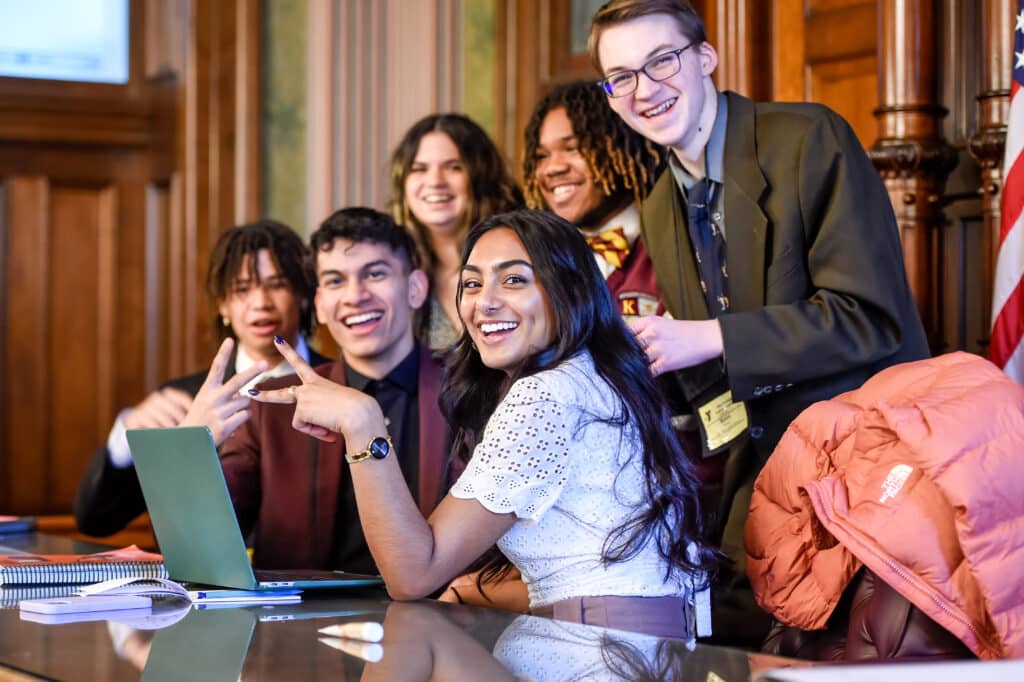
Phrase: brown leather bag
(872, 622)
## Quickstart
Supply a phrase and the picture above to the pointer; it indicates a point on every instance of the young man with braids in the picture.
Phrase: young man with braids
(584, 164)
(776, 251)
(262, 285)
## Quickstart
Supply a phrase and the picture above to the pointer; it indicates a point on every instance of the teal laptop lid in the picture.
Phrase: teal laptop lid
(205, 645)
(194, 521)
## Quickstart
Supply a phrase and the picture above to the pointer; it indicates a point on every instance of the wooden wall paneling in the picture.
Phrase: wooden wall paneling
(215, 193)
(6, 472)
(557, 52)
(111, 199)
(381, 67)
(157, 206)
(248, 94)
(853, 80)
(738, 29)
(962, 289)
(323, 74)
(26, 234)
(194, 136)
(787, 49)
(841, 62)
(77, 248)
(910, 152)
(987, 143)
(519, 71)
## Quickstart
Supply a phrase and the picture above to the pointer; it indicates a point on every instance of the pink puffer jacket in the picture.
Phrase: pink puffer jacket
(919, 475)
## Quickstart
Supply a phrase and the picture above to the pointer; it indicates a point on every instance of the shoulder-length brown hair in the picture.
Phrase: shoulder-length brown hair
(491, 187)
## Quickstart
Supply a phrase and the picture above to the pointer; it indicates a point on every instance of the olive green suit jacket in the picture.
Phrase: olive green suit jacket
(818, 292)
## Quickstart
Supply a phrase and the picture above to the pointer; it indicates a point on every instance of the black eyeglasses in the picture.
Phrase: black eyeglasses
(665, 65)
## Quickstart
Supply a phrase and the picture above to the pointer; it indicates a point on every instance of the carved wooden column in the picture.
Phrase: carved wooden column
(986, 145)
(910, 153)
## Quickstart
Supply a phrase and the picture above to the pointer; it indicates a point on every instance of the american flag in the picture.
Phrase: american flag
(1007, 349)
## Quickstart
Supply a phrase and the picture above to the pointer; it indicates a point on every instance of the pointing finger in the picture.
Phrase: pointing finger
(278, 395)
(300, 366)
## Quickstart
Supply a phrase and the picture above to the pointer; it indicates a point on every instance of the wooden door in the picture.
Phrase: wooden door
(110, 198)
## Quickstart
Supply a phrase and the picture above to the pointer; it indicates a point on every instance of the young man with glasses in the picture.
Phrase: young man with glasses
(775, 248)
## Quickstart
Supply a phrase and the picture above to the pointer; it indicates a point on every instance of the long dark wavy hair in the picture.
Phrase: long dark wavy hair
(585, 319)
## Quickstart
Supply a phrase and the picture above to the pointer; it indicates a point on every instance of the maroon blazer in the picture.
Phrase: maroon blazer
(284, 484)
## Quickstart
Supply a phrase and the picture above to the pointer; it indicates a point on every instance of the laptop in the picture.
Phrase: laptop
(195, 523)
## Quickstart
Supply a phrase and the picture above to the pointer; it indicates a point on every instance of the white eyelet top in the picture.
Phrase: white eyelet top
(570, 479)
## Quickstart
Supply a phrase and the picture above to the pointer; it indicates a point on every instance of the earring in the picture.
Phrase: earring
(225, 321)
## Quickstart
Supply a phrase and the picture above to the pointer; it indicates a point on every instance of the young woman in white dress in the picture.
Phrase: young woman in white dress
(572, 467)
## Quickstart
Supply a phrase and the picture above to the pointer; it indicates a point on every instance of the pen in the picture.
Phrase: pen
(365, 631)
(371, 653)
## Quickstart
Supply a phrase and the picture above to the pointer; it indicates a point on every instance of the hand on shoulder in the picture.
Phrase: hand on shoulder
(676, 344)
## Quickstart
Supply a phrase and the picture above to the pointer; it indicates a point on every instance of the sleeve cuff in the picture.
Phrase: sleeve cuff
(119, 453)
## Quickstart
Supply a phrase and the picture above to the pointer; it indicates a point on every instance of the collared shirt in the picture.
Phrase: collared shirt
(714, 166)
(397, 393)
(244, 362)
(117, 442)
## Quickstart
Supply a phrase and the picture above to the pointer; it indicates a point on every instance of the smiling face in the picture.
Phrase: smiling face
(260, 304)
(561, 172)
(502, 304)
(668, 112)
(437, 185)
(367, 298)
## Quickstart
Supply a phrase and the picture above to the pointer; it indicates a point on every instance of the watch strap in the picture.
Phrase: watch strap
(353, 457)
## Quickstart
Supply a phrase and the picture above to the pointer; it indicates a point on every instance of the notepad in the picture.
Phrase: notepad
(52, 569)
(11, 595)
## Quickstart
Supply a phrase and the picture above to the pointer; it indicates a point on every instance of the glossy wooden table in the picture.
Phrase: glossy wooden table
(422, 640)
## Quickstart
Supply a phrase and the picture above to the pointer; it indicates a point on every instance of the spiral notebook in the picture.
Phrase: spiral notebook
(57, 569)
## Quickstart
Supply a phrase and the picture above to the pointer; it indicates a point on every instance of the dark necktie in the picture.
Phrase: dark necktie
(708, 249)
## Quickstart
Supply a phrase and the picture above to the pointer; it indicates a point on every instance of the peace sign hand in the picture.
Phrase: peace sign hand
(218, 405)
(323, 409)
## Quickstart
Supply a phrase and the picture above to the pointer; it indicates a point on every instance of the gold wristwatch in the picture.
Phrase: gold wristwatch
(378, 448)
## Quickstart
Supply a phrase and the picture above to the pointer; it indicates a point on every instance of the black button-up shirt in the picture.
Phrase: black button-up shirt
(397, 393)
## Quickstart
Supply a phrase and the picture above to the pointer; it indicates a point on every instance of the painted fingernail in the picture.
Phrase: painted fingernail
(278, 339)
(253, 391)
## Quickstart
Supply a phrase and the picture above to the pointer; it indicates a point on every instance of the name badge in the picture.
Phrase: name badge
(722, 421)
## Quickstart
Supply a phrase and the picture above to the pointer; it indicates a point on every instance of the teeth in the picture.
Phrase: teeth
(661, 108)
(437, 198)
(491, 327)
(364, 317)
(562, 190)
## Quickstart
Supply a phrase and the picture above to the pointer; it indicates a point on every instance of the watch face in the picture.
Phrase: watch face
(379, 447)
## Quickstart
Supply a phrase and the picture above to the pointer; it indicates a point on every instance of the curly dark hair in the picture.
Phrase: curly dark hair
(287, 251)
(492, 189)
(361, 225)
(585, 319)
(619, 158)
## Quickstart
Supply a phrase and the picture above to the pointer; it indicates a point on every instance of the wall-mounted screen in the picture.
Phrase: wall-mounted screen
(70, 40)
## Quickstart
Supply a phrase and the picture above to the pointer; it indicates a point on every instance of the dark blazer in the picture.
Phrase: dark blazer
(284, 484)
(109, 498)
(817, 286)
(819, 299)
